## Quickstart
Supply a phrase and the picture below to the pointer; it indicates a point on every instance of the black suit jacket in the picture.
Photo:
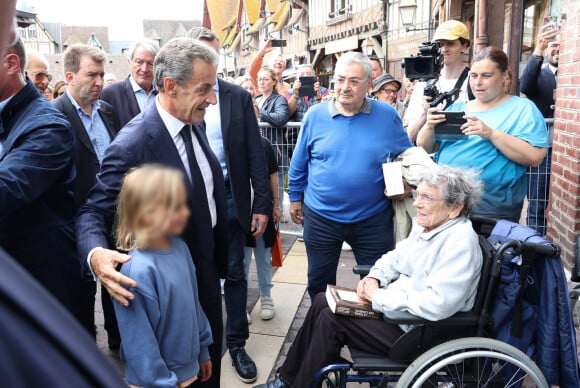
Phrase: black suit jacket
(146, 140)
(538, 82)
(244, 153)
(86, 161)
(122, 97)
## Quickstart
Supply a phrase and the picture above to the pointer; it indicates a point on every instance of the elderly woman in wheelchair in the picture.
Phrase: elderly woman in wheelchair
(432, 274)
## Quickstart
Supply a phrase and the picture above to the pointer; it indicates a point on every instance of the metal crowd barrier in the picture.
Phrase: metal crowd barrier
(283, 141)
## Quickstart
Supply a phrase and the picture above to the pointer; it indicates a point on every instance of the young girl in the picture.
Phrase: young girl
(164, 332)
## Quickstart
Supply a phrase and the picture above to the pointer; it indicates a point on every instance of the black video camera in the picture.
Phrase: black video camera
(425, 66)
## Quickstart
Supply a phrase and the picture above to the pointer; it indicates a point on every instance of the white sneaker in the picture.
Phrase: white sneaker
(346, 247)
(267, 305)
(249, 318)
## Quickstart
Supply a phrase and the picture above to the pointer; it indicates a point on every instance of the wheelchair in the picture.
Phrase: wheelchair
(454, 352)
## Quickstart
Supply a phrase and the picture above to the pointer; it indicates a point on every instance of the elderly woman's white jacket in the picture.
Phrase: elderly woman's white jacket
(432, 275)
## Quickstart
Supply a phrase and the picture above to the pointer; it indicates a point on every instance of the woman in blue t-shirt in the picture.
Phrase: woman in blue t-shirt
(503, 136)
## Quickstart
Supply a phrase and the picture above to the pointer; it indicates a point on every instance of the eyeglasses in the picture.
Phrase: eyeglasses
(40, 76)
(389, 91)
(425, 197)
(353, 82)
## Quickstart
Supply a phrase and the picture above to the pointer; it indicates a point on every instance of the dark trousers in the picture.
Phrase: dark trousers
(87, 308)
(111, 326)
(369, 239)
(210, 298)
(322, 336)
(236, 285)
(538, 190)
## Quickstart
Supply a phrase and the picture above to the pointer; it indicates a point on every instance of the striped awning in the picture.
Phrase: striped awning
(231, 36)
(295, 18)
(256, 26)
(234, 44)
(280, 16)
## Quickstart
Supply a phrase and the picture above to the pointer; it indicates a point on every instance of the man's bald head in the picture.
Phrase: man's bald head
(37, 70)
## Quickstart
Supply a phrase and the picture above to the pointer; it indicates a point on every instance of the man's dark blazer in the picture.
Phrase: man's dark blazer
(36, 198)
(86, 161)
(42, 345)
(122, 97)
(538, 82)
(244, 152)
(146, 140)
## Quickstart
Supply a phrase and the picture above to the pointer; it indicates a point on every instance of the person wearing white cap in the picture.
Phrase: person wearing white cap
(453, 37)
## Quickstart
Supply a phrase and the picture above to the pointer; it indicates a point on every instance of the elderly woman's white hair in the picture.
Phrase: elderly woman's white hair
(458, 186)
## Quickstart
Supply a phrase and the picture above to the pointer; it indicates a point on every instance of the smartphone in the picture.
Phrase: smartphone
(450, 129)
(278, 42)
(307, 87)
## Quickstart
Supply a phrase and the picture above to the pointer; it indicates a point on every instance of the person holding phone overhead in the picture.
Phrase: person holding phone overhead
(277, 63)
(504, 137)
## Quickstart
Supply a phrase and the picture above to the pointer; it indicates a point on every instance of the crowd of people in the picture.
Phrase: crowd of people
(160, 185)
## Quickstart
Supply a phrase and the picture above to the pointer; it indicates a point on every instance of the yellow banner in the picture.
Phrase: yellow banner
(252, 8)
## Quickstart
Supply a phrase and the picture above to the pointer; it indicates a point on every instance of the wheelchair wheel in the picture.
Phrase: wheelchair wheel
(473, 362)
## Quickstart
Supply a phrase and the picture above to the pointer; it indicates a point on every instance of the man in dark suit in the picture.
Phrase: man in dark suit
(36, 181)
(95, 125)
(538, 82)
(130, 96)
(234, 137)
(170, 132)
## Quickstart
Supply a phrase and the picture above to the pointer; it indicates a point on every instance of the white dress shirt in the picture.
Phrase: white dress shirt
(174, 127)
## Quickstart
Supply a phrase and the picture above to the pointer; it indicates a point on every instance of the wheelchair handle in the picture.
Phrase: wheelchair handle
(520, 247)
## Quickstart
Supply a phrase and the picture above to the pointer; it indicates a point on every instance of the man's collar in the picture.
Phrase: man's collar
(173, 124)
(136, 87)
(96, 105)
(365, 108)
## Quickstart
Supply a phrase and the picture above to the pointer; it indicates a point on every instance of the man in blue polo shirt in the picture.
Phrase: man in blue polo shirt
(337, 169)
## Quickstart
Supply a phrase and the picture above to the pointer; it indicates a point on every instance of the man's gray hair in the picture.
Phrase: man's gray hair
(458, 186)
(202, 33)
(358, 58)
(175, 60)
(148, 44)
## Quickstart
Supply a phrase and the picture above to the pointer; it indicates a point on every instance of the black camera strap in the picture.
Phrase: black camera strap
(460, 82)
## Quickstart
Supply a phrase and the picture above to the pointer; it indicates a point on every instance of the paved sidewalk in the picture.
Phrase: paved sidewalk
(270, 340)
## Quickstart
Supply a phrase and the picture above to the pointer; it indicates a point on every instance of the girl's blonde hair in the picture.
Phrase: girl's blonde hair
(146, 201)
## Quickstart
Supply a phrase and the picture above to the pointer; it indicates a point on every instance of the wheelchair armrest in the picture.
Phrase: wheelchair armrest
(459, 319)
(362, 269)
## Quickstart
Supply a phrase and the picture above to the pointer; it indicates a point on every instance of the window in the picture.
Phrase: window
(32, 31)
(339, 7)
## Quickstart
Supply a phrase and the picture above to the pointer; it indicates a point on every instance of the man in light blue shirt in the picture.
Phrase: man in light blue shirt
(95, 125)
(132, 95)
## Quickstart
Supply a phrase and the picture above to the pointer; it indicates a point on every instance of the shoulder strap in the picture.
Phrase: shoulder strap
(460, 82)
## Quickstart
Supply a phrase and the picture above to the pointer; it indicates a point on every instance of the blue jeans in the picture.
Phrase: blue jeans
(538, 190)
(369, 239)
(236, 285)
(263, 258)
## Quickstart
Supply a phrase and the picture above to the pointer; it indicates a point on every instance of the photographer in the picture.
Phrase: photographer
(454, 40)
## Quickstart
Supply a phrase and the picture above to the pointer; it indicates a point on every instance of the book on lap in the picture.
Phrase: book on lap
(345, 301)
